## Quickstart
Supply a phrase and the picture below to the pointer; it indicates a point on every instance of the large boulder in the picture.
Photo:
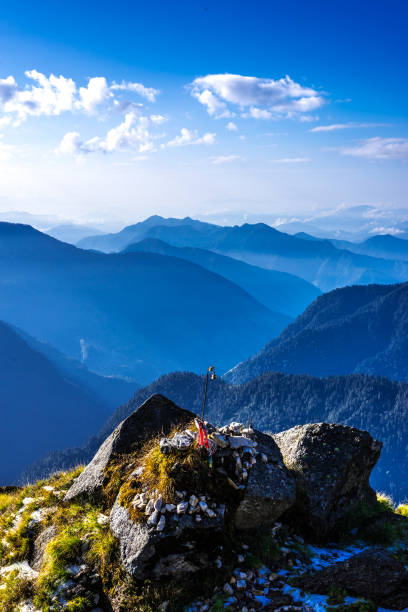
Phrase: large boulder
(332, 465)
(270, 489)
(373, 574)
(157, 415)
(145, 551)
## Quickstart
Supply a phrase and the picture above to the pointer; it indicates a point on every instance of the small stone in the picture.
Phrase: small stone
(198, 518)
(170, 507)
(161, 524)
(241, 585)
(193, 501)
(158, 504)
(182, 507)
(102, 519)
(240, 441)
(153, 518)
(245, 546)
(149, 507)
(179, 494)
(210, 513)
(228, 589)
(236, 427)
(244, 475)
(264, 458)
(232, 483)
(241, 558)
(218, 563)
(203, 506)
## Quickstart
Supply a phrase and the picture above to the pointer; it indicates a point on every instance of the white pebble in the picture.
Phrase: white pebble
(193, 501)
(182, 507)
(153, 518)
(161, 523)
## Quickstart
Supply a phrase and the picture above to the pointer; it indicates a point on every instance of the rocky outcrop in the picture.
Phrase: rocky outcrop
(332, 465)
(374, 574)
(270, 487)
(157, 415)
(243, 480)
(143, 548)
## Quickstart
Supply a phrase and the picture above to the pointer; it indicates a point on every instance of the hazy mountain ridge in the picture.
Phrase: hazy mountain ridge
(136, 314)
(42, 408)
(384, 246)
(110, 390)
(274, 402)
(354, 329)
(316, 261)
(278, 291)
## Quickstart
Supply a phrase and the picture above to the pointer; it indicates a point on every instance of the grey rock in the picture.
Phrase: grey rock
(141, 546)
(153, 518)
(332, 465)
(156, 415)
(240, 441)
(161, 524)
(270, 491)
(374, 574)
(136, 543)
(40, 544)
(182, 507)
(176, 565)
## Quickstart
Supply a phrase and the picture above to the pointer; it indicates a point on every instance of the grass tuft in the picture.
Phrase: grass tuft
(14, 589)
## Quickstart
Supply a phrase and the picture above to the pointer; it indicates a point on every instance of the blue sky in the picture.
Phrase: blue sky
(151, 109)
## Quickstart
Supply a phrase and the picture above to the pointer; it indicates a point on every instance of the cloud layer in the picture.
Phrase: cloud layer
(54, 95)
(225, 95)
(379, 148)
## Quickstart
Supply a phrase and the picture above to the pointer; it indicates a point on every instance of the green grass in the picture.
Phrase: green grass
(14, 591)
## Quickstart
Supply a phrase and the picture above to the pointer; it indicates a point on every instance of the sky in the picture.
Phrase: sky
(111, 112)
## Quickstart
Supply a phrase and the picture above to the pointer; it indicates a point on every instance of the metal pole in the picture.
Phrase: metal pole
(210, 369)
(205, 396)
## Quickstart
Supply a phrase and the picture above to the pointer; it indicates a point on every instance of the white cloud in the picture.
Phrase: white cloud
(94, 95)
(215, 106)
(394, 231)
(49, 96)
(8, 88)
(344, 126)
(291, 160)
(53, 95)
(146, 92)
(259, 113)
(225, 159)
(133, 133)
(158, 119)
(190, 137)
(262, 97)
(231, 126)
(379, 148)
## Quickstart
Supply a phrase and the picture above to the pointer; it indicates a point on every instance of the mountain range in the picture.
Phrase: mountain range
(354, 329)
(279, 291)
(385, 246)
(47, 403)
(274, 402)
(319, 262)
(137, 315)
